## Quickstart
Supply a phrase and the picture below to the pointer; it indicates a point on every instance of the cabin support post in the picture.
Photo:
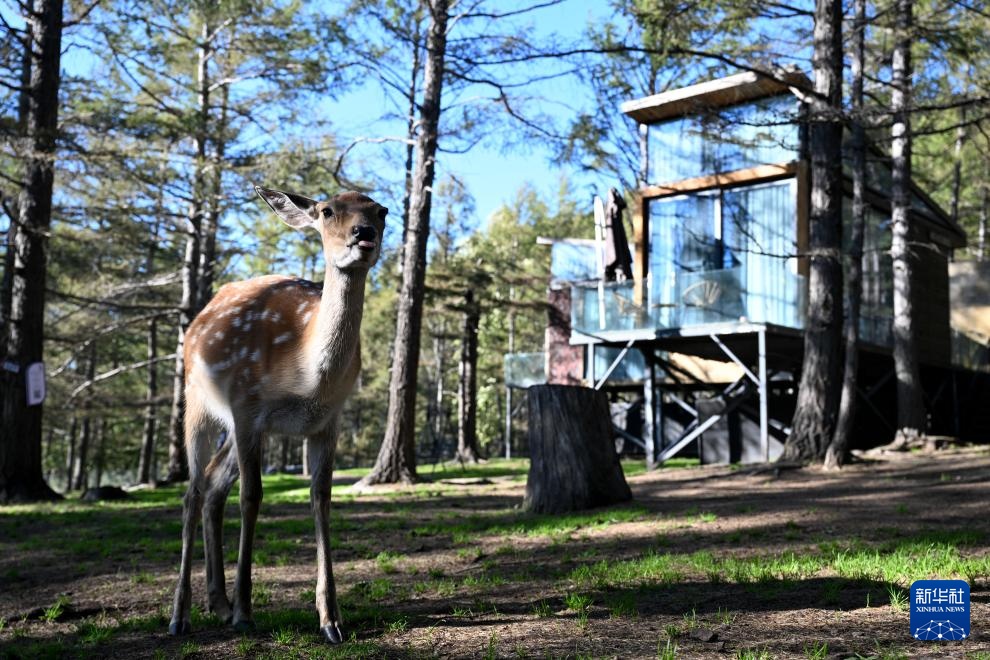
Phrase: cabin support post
(649, 418)
(508, 422)
(761, 338)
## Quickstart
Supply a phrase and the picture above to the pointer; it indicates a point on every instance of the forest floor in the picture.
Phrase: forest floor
(704, 562)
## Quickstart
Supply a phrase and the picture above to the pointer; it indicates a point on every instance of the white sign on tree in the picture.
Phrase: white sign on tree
(35, 377)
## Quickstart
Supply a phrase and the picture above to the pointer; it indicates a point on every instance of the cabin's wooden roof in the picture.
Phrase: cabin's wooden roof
(718, 93)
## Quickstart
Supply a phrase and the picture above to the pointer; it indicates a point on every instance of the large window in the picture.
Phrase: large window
(729, 139)
(726, 255)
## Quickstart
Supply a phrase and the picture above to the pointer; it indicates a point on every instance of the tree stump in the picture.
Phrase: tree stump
(573, 464)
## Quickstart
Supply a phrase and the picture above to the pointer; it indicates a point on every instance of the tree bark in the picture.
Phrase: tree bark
(820, 386)
(396, 460)
(467, 387)
(836, 454)
(411, 132)
(148, 444)
(21, 477)
(80, 471)
(101, 437)
(80, 474)
(70, 453)
(911, 412)
(573, 464)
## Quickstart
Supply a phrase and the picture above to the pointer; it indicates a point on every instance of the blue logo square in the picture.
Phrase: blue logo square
(940, 610)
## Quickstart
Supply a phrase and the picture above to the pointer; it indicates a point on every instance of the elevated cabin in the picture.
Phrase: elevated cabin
(710, 326)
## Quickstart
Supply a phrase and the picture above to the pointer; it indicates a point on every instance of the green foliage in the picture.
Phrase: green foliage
(666, 649)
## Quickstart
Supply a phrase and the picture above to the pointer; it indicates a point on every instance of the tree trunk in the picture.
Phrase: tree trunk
(101, 438)
(467, 387)
(820, 387)
(177, 468)
(981, 240)
(200, 236)
(573, 464)
(70, 453)
(21, 477)
(80, 473)
(957, 165)
(7, 283)
(213, 192)
(836, 454)
(148, 444)
(397, 457)
(911, 413)
(439, 348)
(410, 134)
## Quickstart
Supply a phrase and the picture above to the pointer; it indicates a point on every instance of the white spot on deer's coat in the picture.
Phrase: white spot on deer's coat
(307, 317)
(256, 356)
(218, 334)
(282, 338)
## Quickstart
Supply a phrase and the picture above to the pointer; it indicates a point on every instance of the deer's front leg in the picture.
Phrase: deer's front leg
(249, 461)
(321, 453)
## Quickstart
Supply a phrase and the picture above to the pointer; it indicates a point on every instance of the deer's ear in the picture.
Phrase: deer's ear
(294, 210)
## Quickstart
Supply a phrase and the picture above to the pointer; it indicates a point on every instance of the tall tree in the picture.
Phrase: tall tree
(396, 460)
(820, 387)
(20, 424)
(910, 400)
(836, 453)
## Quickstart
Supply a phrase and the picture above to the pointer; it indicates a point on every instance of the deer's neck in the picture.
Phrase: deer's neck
(334, 334)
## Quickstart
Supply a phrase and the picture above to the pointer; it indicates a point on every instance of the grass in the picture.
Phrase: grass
(542, 609)
(816, 651)
(666, 649)
(55, 611)
(566, 562)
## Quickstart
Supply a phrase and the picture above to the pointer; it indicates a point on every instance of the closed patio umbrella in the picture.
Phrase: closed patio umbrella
(618, 259)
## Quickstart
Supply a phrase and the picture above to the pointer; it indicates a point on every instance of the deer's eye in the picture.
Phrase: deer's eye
(327, 212)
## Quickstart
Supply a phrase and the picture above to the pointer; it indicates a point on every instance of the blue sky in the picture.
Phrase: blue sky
(492, 174)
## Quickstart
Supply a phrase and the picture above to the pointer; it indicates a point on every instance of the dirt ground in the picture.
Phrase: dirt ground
(466, 574)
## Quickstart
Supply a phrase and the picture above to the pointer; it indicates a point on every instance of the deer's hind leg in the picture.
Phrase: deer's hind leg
(198, 449)
(249, 462)
(221, 474)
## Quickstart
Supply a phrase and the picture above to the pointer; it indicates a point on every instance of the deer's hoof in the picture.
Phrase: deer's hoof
(245, 626)
(177, 628)
(332, 633)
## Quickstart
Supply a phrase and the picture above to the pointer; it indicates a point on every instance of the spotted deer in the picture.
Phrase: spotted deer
(273, 354)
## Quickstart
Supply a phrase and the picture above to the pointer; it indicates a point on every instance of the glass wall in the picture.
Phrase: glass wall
(734, 138)
(726, 255)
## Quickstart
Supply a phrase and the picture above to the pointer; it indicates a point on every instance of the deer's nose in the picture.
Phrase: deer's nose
(364, 232)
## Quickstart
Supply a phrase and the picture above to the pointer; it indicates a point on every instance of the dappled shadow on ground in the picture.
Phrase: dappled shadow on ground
(757, 559)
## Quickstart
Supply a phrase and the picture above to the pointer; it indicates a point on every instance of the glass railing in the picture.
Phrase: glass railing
(606, 306)
(689, 299)
(968, 353)
(525, 369)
